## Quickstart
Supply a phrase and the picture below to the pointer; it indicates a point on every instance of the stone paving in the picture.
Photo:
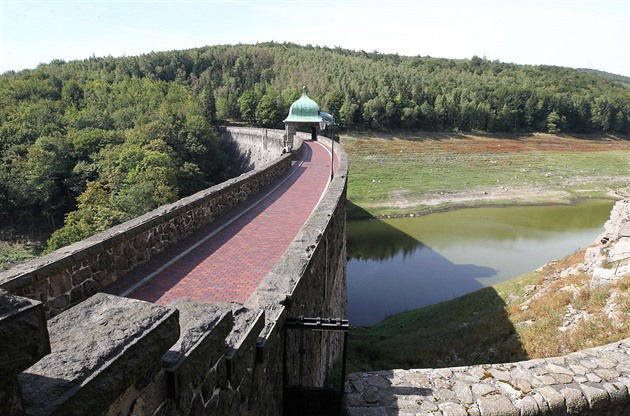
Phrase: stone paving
(229, 266)
(589, 382)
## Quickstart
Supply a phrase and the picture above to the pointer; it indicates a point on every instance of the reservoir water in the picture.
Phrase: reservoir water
(406, 263)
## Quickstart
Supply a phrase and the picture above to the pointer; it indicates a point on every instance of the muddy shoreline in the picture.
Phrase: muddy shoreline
(477, 202)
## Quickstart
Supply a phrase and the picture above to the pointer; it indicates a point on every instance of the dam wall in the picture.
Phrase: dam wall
(251, 148)
(68, 276)
(100, 354)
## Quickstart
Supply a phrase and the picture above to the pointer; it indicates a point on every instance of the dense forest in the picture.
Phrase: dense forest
(88, 144)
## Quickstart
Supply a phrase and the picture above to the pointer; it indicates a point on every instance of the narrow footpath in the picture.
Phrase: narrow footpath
(226, 260)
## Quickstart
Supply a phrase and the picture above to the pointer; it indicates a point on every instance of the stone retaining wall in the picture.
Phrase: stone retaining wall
(589, 382)
(310, 280)
(118, 356)
(71, 274)
(97, 350)
(318, 256)
(251, 148)
(23, 341)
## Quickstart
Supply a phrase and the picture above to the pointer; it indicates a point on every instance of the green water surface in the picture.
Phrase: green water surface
(400, 264)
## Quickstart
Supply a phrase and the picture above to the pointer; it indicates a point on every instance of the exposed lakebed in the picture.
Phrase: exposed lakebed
(406, 263)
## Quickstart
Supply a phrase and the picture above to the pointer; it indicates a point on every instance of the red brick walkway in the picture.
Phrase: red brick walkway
(230, 265)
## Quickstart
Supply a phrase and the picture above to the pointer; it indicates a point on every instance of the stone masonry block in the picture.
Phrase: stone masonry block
(100, 348)
(60, 283)
(574, 400)
(597, 397)
(554, 399)
(202, 343)
(617, 392)
(11, 398)
(497, 405)
(275, 305)
(242, 342)
(23, 335)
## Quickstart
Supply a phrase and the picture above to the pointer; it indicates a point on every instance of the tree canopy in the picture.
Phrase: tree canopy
(90, 143)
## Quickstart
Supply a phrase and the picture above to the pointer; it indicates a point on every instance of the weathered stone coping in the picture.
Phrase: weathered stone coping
(23, 341)
(98, 350)
(23, 335)
(590, 382)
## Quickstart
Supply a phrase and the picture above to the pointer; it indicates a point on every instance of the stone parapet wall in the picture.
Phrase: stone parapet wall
(71, 274)
(23, 341)
(98, 350)
(590, 382)
(310, 280)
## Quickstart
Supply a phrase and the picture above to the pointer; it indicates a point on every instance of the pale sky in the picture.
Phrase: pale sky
(573, 33)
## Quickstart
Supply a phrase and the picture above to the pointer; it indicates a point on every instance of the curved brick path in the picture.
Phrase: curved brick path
(242, 248)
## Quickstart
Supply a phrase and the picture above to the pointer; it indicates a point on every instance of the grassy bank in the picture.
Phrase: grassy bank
(401, 174)
(12, 252)
(507, 322)
(17, 247)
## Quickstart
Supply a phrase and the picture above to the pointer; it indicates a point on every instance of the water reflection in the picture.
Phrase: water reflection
(377, 240)
(401, 264)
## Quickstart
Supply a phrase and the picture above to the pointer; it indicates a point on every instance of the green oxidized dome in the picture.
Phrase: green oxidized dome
(303, 110)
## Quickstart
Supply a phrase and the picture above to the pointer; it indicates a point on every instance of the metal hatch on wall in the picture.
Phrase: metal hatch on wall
(299, 399)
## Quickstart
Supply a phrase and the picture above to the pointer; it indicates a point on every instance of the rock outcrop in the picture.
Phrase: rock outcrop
(608, 258)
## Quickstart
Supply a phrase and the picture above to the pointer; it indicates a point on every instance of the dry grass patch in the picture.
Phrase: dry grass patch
(596, 330)
(571, 260)
(565, 314)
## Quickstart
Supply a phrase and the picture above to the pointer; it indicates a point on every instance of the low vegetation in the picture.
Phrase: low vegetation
(16, 249)
(411, 173)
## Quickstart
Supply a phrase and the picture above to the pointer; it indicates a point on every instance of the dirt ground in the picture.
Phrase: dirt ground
(469, 143)
(498, 143)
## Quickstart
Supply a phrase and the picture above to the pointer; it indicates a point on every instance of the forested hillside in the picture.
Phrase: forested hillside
(88, 144)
